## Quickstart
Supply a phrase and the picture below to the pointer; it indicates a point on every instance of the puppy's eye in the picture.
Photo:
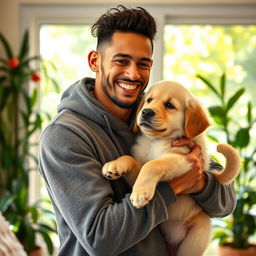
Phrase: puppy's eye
(149, 100)
(169, 105)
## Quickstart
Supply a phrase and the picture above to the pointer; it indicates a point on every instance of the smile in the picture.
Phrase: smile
(128, 86)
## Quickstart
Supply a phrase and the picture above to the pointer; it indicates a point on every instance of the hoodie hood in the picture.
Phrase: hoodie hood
(78, 98)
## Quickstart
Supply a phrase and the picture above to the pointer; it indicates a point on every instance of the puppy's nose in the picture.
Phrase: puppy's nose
(147, 113)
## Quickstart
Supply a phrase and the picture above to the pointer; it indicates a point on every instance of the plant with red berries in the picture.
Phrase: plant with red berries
(20, 119)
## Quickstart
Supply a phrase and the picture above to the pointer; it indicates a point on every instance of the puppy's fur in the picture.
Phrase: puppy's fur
(170, 112)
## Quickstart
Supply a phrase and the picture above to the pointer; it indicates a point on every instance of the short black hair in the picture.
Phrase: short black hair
(122, 19)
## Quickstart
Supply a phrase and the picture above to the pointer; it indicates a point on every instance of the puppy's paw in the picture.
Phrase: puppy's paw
(113, 170)
(141, 197)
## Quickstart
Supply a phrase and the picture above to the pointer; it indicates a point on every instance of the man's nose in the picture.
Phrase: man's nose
(132, 72)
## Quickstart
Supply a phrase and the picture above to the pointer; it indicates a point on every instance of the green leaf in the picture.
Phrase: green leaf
(250, 223)
(217, 111)
(5, 92)
(238, 229)
(221, 236)
(242, 138)
(235, 98)
(33, 98)
(238, 213)
(249, 113)
(30, 238)
(210, 86)
(24, 46)
(6, 202)
(47, 240)
(223, 85)
(213, 138)
(34, 214)
(6, 47)
(218, 114)
(28, 60)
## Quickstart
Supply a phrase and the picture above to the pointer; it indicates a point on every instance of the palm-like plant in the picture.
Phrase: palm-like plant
(242, 225)
(20, 120)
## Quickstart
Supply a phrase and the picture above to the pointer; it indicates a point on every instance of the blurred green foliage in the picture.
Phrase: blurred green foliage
(209, 50)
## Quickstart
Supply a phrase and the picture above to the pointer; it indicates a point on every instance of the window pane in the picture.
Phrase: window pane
(210, 50)
(66, 47)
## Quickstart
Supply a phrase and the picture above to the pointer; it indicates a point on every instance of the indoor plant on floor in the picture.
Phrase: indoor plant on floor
(20, 120)
(234, 232)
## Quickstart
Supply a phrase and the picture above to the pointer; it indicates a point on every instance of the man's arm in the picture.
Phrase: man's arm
(216, 199)
(85, 198)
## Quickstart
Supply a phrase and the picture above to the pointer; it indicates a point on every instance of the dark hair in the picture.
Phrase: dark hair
(122, 19)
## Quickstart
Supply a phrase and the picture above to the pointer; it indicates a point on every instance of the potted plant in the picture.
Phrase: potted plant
(235, 231)
(20, 120)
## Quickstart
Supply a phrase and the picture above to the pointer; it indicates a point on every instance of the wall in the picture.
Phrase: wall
(10, 11)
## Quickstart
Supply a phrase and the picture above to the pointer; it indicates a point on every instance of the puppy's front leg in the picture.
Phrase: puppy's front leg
(164, 169)
(125, 166)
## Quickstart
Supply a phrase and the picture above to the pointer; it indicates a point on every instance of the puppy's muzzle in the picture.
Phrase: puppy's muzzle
(147, 114)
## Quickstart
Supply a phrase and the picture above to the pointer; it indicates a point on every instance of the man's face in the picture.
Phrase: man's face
(124, 68)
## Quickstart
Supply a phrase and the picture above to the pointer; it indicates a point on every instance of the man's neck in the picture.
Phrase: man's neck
(121, 113)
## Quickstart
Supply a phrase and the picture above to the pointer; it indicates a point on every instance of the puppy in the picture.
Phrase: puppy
(170, 112)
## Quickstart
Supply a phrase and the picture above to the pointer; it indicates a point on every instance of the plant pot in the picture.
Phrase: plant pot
(227, 250)
(37, 252)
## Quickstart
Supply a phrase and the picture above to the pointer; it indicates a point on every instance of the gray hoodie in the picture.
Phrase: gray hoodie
(94, 215)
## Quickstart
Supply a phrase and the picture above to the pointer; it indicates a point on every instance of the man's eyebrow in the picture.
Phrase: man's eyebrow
(123, 55)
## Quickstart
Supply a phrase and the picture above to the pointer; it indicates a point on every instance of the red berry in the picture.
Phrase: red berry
(36, 77)
(13, 63)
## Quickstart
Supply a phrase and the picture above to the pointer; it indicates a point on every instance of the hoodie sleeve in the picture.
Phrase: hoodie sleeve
(84, 197)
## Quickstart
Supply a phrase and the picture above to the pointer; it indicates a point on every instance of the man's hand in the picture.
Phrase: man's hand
(194, 181)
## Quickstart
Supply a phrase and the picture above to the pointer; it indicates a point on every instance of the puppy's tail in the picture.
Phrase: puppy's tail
(232, 167)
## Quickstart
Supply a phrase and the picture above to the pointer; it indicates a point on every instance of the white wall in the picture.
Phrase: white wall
(10, 19)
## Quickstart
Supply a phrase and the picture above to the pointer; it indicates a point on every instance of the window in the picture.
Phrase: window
(66, 47)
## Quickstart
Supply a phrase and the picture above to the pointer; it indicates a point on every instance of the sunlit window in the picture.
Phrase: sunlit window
(210, 50)
(66, 47)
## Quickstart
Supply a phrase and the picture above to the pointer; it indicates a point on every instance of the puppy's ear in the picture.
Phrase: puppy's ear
(196, 120)
(141, 103)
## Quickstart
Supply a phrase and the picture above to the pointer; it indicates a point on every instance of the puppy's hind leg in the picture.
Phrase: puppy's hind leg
(197, 239)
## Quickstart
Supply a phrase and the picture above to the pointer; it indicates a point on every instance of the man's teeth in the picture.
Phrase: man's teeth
(128, 86)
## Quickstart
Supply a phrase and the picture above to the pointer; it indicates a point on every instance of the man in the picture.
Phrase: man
(93, 126)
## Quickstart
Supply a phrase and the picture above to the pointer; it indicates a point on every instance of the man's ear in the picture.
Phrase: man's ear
(141, 103)
(93, 57)
(196, 120)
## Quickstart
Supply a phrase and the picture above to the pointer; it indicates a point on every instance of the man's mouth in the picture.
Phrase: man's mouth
(129, 87)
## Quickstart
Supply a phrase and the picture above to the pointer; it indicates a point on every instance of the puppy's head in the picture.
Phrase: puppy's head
(169, 110)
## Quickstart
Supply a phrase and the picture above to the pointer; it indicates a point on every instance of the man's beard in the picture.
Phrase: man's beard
(105, 84)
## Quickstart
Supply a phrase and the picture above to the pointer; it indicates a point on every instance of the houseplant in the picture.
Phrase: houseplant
(20, 121)
(235, 231)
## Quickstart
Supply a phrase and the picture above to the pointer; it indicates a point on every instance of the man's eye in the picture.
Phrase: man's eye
(144, 65)
(121, 62)
(169, 105)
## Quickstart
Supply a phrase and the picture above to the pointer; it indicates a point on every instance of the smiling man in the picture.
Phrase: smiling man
(94, 125)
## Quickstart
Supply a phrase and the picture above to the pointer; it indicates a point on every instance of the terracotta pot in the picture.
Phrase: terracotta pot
(37, 252)
(227, 250)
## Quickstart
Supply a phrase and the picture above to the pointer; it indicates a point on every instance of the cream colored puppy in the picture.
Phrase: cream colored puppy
(170, 112)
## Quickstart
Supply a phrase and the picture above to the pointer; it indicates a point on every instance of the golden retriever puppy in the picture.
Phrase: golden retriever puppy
(169, 112)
